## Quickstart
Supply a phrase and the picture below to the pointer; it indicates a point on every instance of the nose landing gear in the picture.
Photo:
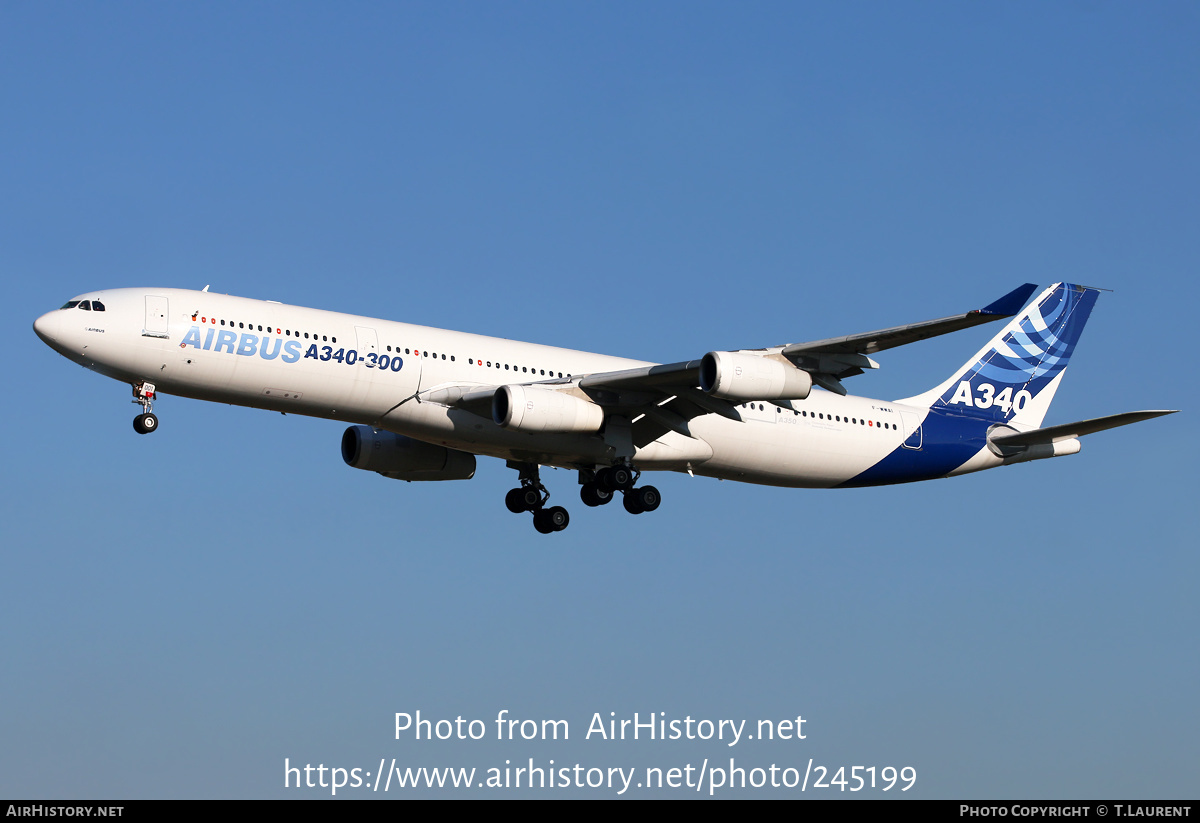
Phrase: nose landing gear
(143, 395)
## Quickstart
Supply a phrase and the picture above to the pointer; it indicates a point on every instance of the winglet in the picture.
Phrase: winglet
(1011, 303)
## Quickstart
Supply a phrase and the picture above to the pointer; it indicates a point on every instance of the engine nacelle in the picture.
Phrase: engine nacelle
(533, 409)
(403, 458)
(737, 376)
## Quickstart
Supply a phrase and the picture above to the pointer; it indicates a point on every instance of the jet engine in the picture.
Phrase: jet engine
(737, 376)
(403, 458)
(533, 409)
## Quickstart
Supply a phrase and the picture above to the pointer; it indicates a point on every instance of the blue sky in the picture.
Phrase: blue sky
(185, 611)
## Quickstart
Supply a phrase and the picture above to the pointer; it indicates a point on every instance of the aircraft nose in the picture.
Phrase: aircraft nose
(44, 326)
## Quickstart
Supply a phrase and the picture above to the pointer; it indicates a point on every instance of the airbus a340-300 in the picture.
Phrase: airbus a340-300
(424, 402)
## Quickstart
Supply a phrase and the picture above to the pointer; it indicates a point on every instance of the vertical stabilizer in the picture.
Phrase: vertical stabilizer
(1014, 377)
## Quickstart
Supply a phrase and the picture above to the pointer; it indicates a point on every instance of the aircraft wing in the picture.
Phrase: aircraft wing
(875, 341)
(656, 398)
(836, 358)
(664, 397)
(828, 361)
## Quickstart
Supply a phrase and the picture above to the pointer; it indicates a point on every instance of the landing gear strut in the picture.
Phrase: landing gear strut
(531, 496)
(143, 395)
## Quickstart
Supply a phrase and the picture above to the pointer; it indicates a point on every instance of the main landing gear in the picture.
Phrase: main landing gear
(532, 497)
(607, 481)
(143, 394)
(598, 489)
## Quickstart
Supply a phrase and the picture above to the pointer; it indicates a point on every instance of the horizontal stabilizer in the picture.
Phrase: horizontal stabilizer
(1066, 431)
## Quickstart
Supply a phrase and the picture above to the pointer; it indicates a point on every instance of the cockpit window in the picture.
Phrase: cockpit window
(70, 304)
(97, 305)
(85, 305)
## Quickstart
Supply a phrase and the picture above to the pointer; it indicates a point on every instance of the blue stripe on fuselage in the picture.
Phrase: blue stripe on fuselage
(948, 441)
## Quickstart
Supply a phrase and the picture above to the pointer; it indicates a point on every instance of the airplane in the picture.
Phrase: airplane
(423, 402)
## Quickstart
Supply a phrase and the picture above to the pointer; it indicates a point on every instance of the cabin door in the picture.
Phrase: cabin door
(156, 317)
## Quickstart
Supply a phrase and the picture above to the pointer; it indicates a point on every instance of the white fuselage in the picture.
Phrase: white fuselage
(284, 358)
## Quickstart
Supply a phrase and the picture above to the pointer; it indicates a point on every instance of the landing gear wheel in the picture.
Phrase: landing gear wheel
(541, 521)
(553, 519)
(557, 517)
(145, 423)
(615, 478)
(649, 497)
(593, 495)
(524, 499)
(632, 503)
(644, 499)
(532, 498)
(515, 501)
